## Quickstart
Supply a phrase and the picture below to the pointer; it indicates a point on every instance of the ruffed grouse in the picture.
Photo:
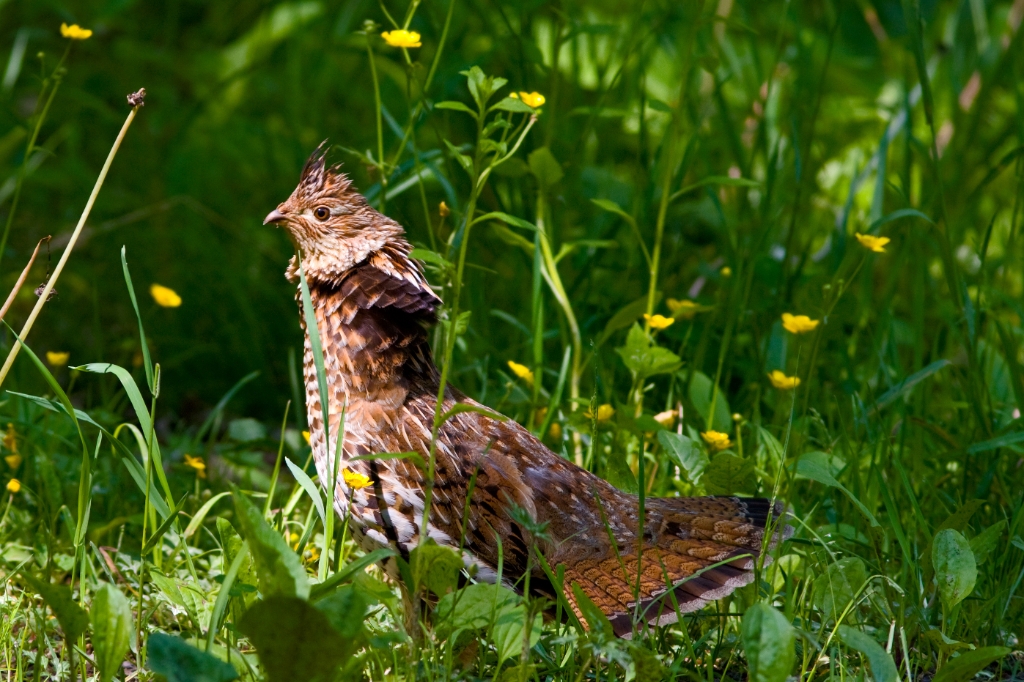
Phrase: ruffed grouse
(372, 306)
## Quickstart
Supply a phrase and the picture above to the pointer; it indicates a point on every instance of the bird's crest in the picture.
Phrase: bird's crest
(318, 178)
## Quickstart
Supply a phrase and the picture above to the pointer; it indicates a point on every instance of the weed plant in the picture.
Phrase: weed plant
(699, 248)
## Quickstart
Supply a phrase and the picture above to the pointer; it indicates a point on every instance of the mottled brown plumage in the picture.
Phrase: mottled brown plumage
(373, 307)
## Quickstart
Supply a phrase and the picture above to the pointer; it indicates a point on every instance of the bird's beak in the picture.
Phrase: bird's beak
(274, 216)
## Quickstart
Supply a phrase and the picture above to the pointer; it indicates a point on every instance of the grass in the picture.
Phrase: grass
(713, 164)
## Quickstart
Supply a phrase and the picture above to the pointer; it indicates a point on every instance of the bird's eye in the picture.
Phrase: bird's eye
(322, 213)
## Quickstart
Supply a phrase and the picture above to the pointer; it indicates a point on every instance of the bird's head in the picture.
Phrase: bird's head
(329, 221)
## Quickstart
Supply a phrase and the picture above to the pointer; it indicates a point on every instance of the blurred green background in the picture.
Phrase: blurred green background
(241, 92)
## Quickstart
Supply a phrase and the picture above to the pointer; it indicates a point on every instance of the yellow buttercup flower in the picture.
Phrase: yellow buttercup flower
(312, 554)
(57, 359)
(782, 382)
(402, 38)
(196, 463)
(873, 243)
(356, 480)
(165, 297)
(666, 418)
(604, 413)
(684, 309)
(75, 32)
(716, 439)
(658, 321)
(726, 271)
(555, 431)
(530, 99)
(521, 371)
(13, 461)
(443, 210)
(10, 439)
(13, 485)
(305, 435)
(798, 324)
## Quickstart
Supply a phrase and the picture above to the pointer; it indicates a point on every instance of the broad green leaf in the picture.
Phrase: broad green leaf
(769, 642)
(346, 610)
(544, 167)
(507, 219)
(883, 669)
(111, 629)
(246, 430)
(626, 316)
(294, 640)
(435, 568)
(819, 467)
(690, 457)
(956, 570)
(835, 589)
(179, 661)
(514, 105)
(462, 159)
(475, 606)
(351, 572)
(279, 569)
(700, 392)
(896, 215)
(201, 515)
(509, 633)
(982, 545)
(643, 357)
(968, 664)
(72, 618)
(728, 473)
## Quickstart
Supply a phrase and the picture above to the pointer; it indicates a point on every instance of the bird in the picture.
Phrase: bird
(498, 491)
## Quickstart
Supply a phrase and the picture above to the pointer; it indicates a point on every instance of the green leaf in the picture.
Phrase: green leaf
(956, 570)
(968, 664)
(294, 640)
(72, 618)
(459, 408)
(463, 160)
(701, 390)
(435, 568)
(817, 466)
(279, 569)
(723, 180)
(509, 633)
(179, 661)
(456, 106)
(350, 572)
(769, 642)
(246, 430)
(201, 515)
(346, 611)
(1002, 441)
(514, 105)
(612, 207)
(983, 544)
(162, 529)
(544, 167)
(507, 219)
(904, 388)
(111, 629)
(882, 667)
(626, 316)
(728, 473)
(643, 357)
(147, 362)
(896, 215)
(690, 457)
(475, 606)
(835, 589)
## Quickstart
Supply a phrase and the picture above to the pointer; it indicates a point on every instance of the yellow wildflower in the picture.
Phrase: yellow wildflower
(312, 554)
(444, 210)
(658, 321)
(165, 296)
(873, 243)
(57, 359)
(530, 99)
(196, 463)
(604, 413)
(521, 371)
(10, 439)
(666, 418)
(716, 439)
(555, 431)
(782, 382)
(737, 417)
(13, 461)
(13, 485)
(798, 324)
(305, 435)
(294, 540)
(356, 480)
(726, 271)
(684, 309)
(75, 32)
(402, 38)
